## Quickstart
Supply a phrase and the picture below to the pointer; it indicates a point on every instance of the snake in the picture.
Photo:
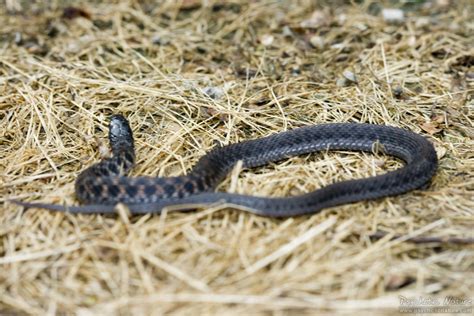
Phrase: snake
(104, 185)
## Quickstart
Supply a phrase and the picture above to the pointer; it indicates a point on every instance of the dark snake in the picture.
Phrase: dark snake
(102, 186)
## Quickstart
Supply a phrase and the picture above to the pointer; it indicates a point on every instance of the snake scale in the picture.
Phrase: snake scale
(103, 185)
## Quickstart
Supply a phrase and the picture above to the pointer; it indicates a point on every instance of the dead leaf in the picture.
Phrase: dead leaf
(75, 12)
(396, 282)
(190, 4)
(431, 127)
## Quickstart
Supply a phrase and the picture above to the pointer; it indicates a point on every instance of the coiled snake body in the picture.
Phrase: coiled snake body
(103, 185)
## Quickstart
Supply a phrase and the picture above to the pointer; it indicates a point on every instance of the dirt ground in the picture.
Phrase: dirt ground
(192, 74)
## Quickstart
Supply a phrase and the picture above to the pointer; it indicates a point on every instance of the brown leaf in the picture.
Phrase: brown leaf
(190, 4)
(75, 12)
(431, 127)
(396, 282)
(439, 118)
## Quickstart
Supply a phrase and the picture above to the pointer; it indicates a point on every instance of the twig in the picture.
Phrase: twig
(426, 239)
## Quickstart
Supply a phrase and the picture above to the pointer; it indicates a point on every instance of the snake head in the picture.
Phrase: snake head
(120, 133)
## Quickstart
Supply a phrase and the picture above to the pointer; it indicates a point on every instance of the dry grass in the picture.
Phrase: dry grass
(62, 77)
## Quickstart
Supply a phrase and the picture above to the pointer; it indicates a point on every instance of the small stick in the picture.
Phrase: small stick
(426, 239)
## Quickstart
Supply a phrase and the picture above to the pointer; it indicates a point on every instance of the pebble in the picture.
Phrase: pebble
(267, 40)
(349, 75)
(317, 41)
(393, 15)
(159, 40)
(213, 92)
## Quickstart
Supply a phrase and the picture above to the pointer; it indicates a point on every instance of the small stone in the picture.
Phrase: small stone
(398, 92)
(159, 40)
(73, 48)
(443, 3)
(338, 46)
(295, 71)
(342, 82)
(267, 40)
(454, 26)
(361, 26)
(422, 21)
(341, 19)
(18, 38)
(349, 75)
(393, 15)
(213, 92)
(286, 31)
(317, 19)
(317, 41)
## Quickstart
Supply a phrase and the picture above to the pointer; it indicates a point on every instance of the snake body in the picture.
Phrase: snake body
(103, 185)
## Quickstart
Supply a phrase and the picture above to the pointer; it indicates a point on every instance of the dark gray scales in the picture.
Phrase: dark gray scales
(151, 195)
